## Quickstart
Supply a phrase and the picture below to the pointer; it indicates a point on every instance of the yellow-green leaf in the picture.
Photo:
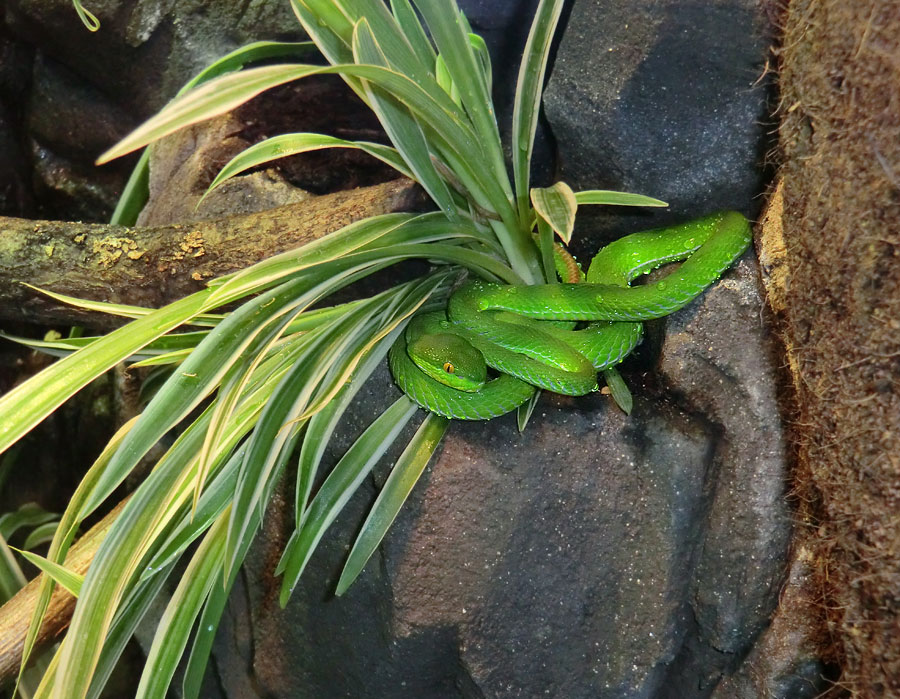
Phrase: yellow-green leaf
(557, 206)
(68, 579)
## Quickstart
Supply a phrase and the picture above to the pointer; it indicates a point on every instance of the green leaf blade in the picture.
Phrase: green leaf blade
(33, 400)
(292, 144)
(337, 489)
(529, 86)
(396, 490)
(613, 198)
(68, 579)
(556, 205)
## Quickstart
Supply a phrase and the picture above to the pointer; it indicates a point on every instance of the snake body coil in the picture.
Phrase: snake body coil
(440, 361)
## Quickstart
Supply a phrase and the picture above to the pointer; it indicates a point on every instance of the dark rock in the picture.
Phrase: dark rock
(520, 566)
(15, 73)
(719, 358)
(571, 560)
(787, 663)
(15, 185)
(70, 116)
(167, 41)
(70, 122)
(15, 172)
(74, 191)
(665, 99)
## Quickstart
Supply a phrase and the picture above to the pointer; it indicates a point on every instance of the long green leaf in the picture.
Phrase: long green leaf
(356, 236)
(412, 29)
(33, 400)
(372, 352)
(273, 439)
(452, 40)
(143, 523)
(28, 515)
(341, 483)
(619, 390)
(399, 485)
(120, 309)
(132, 613)
(197, 377)
(377, 236)
(88, 18)
(40, 535)
(294, 143)
(523, 414)
(65, 533)
(174, 628)
(226, 92)
(219, 493)
(613, 198)
(400, 125)
(529, 86)
(63, 347)
(201, 648)
(117, 564)
(328, 27)
(278, 429)
(136, 192)
(71, 581)
(216, 497)
(11, 577)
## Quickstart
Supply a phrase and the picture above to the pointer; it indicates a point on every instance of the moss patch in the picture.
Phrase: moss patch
(840, 134)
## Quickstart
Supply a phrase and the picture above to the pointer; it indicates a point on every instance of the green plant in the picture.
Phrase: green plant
(273, 376)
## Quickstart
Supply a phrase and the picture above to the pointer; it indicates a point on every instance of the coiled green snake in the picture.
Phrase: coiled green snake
(441, 361)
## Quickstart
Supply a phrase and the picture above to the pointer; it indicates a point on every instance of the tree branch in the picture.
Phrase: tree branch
(15, 615)
(154, 265)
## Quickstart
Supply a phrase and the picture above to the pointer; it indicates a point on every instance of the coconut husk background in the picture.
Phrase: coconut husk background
(834, 275)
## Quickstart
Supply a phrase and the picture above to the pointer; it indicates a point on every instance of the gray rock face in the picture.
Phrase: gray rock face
(15, 191)
(663, 97)
(77, 106)
(595, 555)
(717, 355)
(167, 40)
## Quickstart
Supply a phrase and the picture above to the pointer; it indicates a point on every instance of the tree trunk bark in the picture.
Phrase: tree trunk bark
(154, 265)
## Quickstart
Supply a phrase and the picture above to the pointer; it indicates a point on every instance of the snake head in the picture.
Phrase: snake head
(449, 359)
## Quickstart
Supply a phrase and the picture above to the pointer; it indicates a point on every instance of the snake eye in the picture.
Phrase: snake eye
(449, 368)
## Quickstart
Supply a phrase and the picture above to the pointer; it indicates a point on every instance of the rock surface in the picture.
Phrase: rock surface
(78, 107)
(16, 197)
(665, 98)
(787, 662)
(595, 555)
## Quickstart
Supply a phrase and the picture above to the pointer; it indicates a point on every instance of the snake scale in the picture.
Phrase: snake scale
(526, 333)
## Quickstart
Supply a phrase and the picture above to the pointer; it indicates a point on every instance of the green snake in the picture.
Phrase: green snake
(525, 333)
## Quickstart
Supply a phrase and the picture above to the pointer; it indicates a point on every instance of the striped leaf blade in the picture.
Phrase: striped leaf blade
(341, 483)
(396, 490)
(529, 87)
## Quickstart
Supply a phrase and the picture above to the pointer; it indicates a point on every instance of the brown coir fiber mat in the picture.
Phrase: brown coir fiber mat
(839, 302)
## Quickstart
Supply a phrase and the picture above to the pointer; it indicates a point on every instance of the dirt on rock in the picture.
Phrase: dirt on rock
(840, 136)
